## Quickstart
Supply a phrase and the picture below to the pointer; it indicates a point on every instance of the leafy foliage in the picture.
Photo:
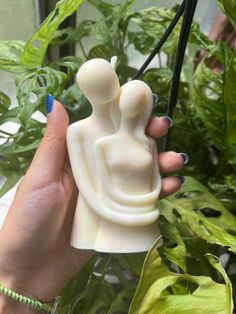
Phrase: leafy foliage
(229, 7)
(161, 290)
(203, 215)
(10, 52)
(36, 47)
(230, 102)
(18, 149)
(197, 223)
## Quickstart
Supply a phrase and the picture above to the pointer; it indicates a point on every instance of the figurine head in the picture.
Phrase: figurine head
(98, 81)
(136, 100)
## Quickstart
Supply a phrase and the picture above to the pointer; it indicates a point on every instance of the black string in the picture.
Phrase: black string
(162, 40)
(179, 58)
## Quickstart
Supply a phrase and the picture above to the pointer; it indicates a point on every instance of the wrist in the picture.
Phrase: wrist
(16, 284)
(11, 306)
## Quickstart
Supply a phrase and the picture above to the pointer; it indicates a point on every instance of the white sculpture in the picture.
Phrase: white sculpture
(114, 164)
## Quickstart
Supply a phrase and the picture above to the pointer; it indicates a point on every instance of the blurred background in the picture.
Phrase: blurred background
(21, 23)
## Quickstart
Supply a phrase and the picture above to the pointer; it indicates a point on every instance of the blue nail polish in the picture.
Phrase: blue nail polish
(49, 103)
(169, 120)
(182, 179)
(155, 98)
(185, 158)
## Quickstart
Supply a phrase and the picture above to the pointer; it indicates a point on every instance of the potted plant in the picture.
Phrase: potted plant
(194, 270)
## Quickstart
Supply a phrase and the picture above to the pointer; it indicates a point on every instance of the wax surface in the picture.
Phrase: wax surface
(114, 164)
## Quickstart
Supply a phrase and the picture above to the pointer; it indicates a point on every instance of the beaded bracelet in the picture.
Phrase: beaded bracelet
(25, 300)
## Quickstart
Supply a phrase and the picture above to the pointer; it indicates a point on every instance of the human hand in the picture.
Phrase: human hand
(36, 257)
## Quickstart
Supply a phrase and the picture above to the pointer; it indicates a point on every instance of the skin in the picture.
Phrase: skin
(36, 258)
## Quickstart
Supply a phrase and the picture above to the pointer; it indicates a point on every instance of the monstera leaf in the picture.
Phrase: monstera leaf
(165, 292)
(10, 52)
(203, 214)
(35, 49)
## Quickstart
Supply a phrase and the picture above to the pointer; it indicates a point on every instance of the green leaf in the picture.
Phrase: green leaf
(10, 53)
(142, 42)
(174, 250)
(10, 116)
(124, 72)
(132, 262)
(104, 7)
(12, 177)
(5, 102)
(40, 82)
(97, 296)
(100, 51)
(203, 214)
(36, 47)
(119, 304)
(229, 8)
(230, 103)
(208, 100)
(70, 64)
(69, 35)
(17, 148)
(78, 107)
(111, 29)
(231, 182)
(154, 21)
(162, 291)
(70, 295)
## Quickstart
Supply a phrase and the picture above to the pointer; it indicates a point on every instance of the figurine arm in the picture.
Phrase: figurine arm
(145, 201)
(83, 181)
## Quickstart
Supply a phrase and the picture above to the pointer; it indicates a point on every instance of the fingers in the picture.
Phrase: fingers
(168, 161)
(158, 127)
(171, 161)
(170, 185)
(49, 158)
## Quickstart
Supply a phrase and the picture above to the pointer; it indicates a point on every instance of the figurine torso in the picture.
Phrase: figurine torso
(130, 165)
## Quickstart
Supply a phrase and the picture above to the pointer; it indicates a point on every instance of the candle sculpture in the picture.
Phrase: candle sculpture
(114, 164)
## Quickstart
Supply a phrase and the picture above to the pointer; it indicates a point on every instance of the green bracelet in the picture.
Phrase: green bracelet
(25, 300)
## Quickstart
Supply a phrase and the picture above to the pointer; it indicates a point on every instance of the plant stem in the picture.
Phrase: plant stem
(83, 50)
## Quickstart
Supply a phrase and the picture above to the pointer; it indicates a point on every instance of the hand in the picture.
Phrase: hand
(36, 257)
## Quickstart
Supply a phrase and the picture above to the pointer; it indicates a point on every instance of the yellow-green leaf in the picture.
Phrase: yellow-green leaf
(203, 214)
(36, 47)
(159, 290)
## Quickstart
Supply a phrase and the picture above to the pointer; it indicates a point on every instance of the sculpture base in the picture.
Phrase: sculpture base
(92, 232)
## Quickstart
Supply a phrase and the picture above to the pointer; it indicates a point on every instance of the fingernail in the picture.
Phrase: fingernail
(155, 98)
(185, 158)
(182, 179)
(49, 103)
(169, 120)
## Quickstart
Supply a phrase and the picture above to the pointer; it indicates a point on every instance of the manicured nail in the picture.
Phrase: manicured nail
(185, 158)
(155, 98)
(182, 179)
(169, 120)
(49, 103)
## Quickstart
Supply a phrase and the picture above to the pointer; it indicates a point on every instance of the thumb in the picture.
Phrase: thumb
(49, 159)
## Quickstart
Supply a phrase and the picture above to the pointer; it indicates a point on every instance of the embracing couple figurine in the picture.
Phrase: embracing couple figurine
(114, 164)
